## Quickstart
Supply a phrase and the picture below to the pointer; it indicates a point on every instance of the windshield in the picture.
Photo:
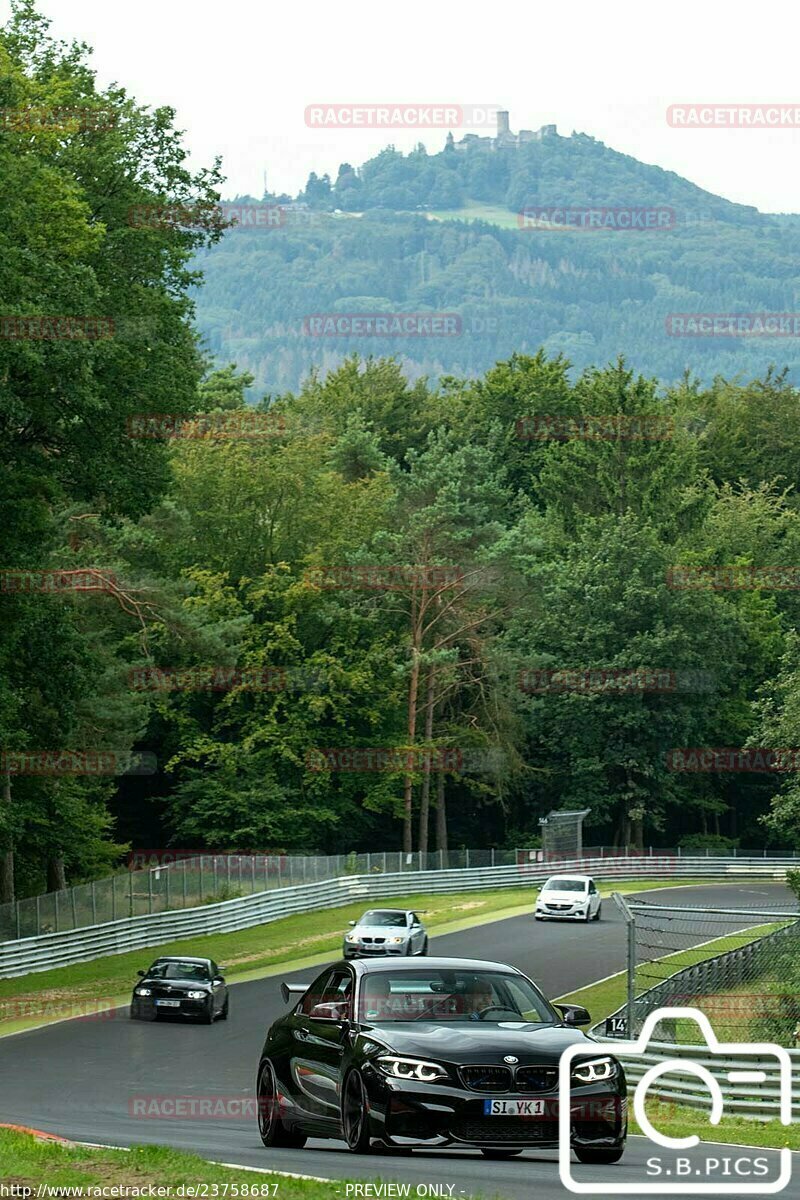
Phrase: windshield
(451, 995)
(377, 917)
(565, 885)
(178, 970)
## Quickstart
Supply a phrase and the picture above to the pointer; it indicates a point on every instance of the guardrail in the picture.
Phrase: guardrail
(758, 1100)
(29, 955)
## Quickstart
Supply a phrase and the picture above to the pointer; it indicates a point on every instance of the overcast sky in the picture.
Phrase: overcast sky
(241, 74)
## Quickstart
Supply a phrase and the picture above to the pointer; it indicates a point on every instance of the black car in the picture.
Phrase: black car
(434, 1052)
(181, 987)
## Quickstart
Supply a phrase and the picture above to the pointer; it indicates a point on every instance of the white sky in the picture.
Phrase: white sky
(240, 75)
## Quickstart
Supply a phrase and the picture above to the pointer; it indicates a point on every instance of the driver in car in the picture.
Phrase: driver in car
(477, 998)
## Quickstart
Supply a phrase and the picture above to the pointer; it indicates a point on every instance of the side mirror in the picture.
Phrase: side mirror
(141, 974)
(219, 979)
(574, 1014)
(292, 989)
(352, 923)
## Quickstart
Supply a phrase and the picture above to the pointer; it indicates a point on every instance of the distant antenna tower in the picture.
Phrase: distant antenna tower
(265, 183)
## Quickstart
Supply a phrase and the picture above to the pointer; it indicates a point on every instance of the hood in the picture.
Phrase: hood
(381, 930)
(194, 984)
(477, 1042)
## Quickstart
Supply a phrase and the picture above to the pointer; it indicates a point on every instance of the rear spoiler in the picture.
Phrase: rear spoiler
(293, 989)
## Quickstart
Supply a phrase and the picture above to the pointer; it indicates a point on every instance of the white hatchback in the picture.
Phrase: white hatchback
(568, 897)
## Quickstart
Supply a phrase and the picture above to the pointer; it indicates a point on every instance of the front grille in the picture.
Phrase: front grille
(536, 1079)
(559, 907)
(504, 1129)
(487, 1079)
(373, 941)
(170, 993)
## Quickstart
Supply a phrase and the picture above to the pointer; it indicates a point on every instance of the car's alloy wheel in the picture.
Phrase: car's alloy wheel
(223, 1016)
(424, 949)
(586, 1154)
(270, 1126)
(490, 1152)
(355, 1118)
(207, 1015)
(597, 914)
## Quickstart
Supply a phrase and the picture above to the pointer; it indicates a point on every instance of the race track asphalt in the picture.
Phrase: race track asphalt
(82, 1078)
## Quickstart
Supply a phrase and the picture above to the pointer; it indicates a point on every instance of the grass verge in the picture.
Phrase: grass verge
(28, 1162)
(675, 1120)
(303, 940)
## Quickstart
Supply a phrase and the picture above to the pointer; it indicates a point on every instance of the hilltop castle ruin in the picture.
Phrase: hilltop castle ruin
(504, 136)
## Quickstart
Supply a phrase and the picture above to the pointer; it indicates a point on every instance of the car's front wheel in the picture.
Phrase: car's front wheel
(355, 1116)
(424, 949)
(597, 914)
(270, 1126)
(587, 1154)
(490, 1152)
(223, 1016)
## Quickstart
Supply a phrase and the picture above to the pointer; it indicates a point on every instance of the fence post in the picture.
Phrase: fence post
(16, 916)
(149, 891)
(492, 855)
(38, 917)
(55, 896)
(630, 919)
(467, 859)
(169, 871)
(113, 900)
(94, 906)
(184, 886)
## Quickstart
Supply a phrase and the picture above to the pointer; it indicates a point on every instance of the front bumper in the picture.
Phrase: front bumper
(147, 1007)
(352, 950)
(407, 1113)
(561, 914)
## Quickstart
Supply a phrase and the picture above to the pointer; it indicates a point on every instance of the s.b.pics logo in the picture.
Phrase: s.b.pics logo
(684, 1166)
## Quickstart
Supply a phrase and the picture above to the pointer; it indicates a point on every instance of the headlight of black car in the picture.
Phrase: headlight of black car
(197, 995)
(410, 1068)
(595, 1070)
(142, 991)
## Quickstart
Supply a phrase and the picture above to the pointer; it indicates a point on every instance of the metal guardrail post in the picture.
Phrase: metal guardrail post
(630, 921)
(94, 906)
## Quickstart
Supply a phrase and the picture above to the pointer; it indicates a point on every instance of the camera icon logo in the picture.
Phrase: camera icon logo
(734, 1072)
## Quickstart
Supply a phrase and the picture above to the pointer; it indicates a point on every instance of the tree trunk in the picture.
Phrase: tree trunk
(441, 815)
(425, 799)
(56, 874)
(7, 854)
(637, 833)
(413, 691)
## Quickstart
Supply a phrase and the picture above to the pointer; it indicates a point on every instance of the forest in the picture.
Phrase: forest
(379, 608)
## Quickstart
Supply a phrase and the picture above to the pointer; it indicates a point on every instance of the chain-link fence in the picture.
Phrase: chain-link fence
(740, 967)
(208, 879)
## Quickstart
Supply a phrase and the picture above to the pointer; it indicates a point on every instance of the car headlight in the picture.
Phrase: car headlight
(197, 995)
(410, 1068)
(395, 941)
(595, 1070)
(142, 991)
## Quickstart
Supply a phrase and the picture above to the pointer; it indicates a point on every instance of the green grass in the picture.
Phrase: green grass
(477, 210)
(675, 1120)
(288, 943)
(28, 1161)
(607, 996)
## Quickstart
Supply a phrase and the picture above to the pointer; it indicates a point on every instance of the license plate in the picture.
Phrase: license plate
(513, 1108)
(168, 1003)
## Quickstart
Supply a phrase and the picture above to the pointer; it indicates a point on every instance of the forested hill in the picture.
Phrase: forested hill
(442, 233)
